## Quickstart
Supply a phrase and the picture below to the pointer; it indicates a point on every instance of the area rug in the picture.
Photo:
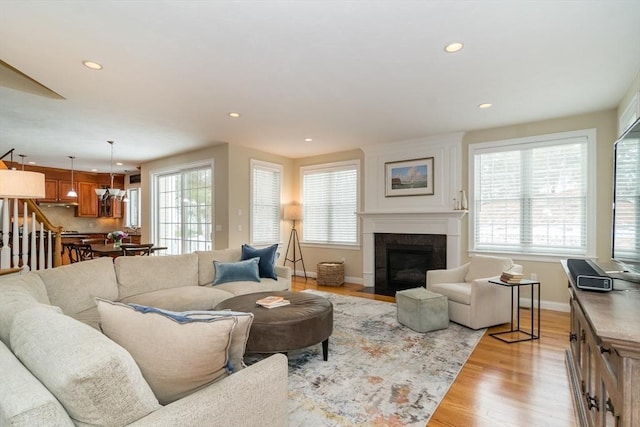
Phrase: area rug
(379, 373)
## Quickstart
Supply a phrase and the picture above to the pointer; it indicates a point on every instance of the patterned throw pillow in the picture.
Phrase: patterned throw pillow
(268, 256)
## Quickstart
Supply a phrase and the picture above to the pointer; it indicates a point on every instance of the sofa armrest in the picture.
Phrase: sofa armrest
(453, 275)
(284, 272)
(254, 396)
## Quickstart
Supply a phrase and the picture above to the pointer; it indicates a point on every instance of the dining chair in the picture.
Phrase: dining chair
(133, 250)
(84, 252)
(80, 252)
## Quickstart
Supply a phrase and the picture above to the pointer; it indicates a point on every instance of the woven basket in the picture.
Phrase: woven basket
(330, 273)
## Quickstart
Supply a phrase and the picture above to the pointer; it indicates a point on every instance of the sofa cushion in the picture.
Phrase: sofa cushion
(181, 299)
(246, 270)
(206, 269)
(482, 267)
(176, 358)
(14, 298)
(33, 284)
(73, 287)
(160, 272)
(96, 380)
(25, 401)
(89, 317)
(267, 257)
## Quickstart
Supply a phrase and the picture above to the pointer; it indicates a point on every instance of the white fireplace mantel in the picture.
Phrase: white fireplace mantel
(447, 222)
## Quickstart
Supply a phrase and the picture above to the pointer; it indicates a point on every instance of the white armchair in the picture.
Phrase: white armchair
(473, 301)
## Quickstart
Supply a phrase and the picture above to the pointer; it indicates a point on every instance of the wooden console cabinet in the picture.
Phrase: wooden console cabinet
(603, 359)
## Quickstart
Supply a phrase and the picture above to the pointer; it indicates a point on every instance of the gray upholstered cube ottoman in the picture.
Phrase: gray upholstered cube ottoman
(422, 310)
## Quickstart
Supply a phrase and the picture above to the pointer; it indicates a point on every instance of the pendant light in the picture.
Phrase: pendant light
(72, 192)
(105, 193)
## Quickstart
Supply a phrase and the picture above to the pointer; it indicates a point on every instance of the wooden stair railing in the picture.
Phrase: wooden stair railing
(21, 248)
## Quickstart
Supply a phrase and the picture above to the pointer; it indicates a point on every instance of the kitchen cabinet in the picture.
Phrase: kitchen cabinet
(58, 184)
(87, 200)
(110, 208)
(50, 190)
(63, 188)
(55, 191)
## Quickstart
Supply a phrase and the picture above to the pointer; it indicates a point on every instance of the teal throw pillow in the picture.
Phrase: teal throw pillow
(246, 270)
(268, 256)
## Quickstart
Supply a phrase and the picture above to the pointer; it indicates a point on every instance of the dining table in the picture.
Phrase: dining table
(116, 251)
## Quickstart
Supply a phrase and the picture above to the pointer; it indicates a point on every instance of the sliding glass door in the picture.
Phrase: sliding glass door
(183, 210)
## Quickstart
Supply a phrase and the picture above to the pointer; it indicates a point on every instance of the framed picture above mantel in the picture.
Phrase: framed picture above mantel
(409, 178)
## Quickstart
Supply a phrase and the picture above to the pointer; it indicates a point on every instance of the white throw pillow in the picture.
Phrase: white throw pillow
(482, 267)
(176, 356)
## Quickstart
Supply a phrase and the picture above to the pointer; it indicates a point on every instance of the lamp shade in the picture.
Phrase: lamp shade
(21, 184)
(293, 212)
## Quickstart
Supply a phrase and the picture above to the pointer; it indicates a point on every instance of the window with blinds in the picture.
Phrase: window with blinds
(330, 203)
(265, 202)
(533, 196)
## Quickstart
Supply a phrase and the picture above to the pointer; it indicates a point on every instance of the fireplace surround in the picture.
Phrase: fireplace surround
(447, 223)
(402, 260)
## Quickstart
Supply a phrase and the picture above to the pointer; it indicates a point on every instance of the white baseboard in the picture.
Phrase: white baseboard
(547, 305)
(524, 302)
(313, 274)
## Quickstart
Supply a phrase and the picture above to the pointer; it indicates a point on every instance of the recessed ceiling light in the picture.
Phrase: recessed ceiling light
(485, 105)
(32, 163)
(118, 163)
(94, 170)
(308, 139)
(234, 115)
(92, 65)
(453, 47)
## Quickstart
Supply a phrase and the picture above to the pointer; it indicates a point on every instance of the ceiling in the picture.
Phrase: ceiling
(344, 73)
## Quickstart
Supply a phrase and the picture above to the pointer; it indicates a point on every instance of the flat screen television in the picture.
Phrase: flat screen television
(625, 241)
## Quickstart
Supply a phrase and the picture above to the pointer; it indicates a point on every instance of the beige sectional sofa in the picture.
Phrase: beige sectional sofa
(58, 369)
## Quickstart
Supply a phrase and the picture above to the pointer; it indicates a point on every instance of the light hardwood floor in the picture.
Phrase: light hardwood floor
(522, 384)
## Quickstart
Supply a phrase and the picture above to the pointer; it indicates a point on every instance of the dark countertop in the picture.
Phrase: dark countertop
(90, 233)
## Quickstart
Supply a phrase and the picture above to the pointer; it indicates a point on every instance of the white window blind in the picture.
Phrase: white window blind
(265, 202)
(330, 202)
(532, 197)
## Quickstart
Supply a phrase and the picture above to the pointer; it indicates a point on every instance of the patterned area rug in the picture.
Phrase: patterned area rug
(379, 372)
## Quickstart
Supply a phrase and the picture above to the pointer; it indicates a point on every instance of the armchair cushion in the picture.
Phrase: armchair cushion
(482, 267)
(458, 292)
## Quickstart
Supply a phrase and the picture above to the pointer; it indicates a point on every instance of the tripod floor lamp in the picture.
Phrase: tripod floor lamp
(294, 213)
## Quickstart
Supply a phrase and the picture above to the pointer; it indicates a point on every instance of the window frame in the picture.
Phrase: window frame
(327, 167)
(131, 200)
(273, 167)
(519, 144)
(153, 196)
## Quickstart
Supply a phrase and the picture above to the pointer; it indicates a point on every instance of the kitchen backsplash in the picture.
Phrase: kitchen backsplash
(66, 218)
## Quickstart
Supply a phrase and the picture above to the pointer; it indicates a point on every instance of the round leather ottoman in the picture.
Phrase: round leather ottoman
(307, 321)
